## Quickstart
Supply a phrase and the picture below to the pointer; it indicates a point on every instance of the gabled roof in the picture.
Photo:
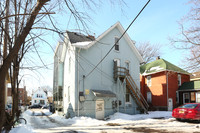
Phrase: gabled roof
(158, 66)
(121, 29)
(192, 85)
(76, 37)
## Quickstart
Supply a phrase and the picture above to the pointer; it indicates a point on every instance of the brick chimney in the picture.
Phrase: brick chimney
(92, 37)
(158, 57)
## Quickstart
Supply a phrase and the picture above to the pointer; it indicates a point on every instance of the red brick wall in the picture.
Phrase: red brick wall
(22, 94)
(158, 87)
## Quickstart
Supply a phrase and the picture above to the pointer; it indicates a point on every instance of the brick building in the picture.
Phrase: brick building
(160, 81)
(22, 96)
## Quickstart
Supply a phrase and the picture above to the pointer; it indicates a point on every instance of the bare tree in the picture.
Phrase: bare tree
(24, 20)
(148, 51)
(189, 38)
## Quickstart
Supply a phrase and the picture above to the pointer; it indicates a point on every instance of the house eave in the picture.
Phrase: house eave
(189, 90)
(163, 71)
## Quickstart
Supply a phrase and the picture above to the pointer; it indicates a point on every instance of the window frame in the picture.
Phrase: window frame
(127, 96)
(179, 79)
(116, 43)
(149, 81)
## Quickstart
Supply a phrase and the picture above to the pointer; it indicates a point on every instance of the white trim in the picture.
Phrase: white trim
(118, 62)
(126, 37)
(163, 71)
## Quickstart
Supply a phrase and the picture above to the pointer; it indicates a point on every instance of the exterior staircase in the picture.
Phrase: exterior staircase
(122, 73)
(136, 94)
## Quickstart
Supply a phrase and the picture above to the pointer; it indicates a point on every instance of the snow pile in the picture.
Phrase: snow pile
(22, 129)
(155, 114)
(78, 121)
(46, 112)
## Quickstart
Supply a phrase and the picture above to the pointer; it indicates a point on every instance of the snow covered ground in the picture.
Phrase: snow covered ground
(157, 121)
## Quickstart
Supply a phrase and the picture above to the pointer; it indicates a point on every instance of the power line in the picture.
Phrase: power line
(118, 39)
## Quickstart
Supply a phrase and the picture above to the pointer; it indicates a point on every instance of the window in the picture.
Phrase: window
(35, 101)
(127, 96)
(116, 44)
(149, 97)
(42, 101)
(148, 80)
(127, 65)
(179, 80)
(192, 98)
(116, 69)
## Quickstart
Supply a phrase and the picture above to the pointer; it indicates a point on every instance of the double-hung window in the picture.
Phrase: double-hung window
(179, 80)
(149, 81)
(116, 43)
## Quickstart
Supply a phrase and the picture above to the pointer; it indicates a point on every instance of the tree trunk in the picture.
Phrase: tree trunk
(13, 52)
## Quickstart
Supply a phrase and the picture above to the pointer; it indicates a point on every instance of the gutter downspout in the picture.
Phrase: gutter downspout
(78, 89)
(167, 93)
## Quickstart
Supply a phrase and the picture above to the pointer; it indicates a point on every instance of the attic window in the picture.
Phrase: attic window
(116, 43)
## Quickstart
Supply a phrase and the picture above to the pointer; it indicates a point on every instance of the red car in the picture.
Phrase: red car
(189, 111)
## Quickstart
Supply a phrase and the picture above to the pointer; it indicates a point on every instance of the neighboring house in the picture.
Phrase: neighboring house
(83, 89)
(160, 81)
(195, 76)
(189, 92)
(22, 96)
(39, 97)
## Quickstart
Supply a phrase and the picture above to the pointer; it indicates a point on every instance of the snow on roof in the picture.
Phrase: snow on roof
(158, 66)
(84, 45)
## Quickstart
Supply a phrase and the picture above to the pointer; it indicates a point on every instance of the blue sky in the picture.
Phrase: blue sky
(157, 22)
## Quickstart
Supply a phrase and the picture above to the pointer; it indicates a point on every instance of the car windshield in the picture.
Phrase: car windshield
(190, 106)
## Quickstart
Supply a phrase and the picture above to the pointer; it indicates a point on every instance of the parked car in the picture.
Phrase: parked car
(35, 106)
(189, 111)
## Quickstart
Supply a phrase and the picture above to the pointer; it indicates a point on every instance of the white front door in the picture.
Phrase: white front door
(170, 104)
(100, 109)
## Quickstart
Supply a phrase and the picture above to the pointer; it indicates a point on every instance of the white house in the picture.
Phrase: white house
(39, 97)
(89, 81)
